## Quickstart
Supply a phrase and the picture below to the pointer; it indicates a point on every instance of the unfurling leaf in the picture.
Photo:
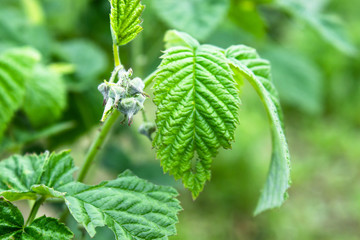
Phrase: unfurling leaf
(247, 64)
(125, 20)
(197, 108)
(43, 228)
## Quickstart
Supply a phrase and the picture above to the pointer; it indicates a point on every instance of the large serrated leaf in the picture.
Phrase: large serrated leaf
(43, 228)
(131, 207)
(25, 177)
(15, 66)
(247, 64)
(198, 103)
(45, 97)
(197, 17)
(125, 20)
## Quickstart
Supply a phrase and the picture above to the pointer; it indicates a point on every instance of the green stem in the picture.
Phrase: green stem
(116, 55)
(97, 144)
(34, 210)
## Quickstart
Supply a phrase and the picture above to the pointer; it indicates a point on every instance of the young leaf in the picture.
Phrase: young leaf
(198, 102)
(43, 228)
(125, 20)
(131, 207)
(15, 66)
(45, 97)
(201, 18)
(24, 177)
(247, 64)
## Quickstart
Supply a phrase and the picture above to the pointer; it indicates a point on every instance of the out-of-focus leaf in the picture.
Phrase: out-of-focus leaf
(15, 66)
(330, 27)
(196, 17)
(88, 59)
(244, 14)
(45, 97)
(43, 228)
(298, 81)
(247, 64)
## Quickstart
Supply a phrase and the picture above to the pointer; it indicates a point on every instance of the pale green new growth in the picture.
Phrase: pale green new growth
(15, 66)
(198, 102)
(43, 228)
(247, 64)
(125, 20)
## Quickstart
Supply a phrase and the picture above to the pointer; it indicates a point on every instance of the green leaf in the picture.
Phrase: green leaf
(43, 228)
(88, 59)
(131, 207)
(15, 67)
(125, 20)
(197, 109)
(197, 17)
(247, 64)
(24, 177)
(298, 81)
(45, 96)
(330, 27)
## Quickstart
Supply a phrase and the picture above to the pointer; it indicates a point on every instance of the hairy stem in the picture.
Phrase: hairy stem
(34, 210)
(100, 138)
(97, 144)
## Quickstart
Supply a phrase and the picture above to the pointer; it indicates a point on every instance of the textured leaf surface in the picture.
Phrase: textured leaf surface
(24, 177)
(197, 17)
(131, 207)
(329, 27)
(15, 66)
(198, 102)
(125, 20)
(43, 228)
(45, 96)
(246, 63)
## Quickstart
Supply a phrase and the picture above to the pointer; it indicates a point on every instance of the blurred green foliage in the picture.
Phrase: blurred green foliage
(316, 70)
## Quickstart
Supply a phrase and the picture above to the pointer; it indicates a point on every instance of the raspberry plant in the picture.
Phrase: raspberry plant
(196, 92)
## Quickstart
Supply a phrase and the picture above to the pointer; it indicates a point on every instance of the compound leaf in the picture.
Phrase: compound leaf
(125, 20)
(247, 64)
(24, 177)
(131, 207)
(43, 228)
(197, 109)
(15, 66)
(201, 18)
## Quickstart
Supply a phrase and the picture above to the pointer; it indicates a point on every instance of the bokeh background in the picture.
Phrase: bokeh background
(313, 48)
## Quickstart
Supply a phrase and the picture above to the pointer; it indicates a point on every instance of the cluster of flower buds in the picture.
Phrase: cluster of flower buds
(126, 95)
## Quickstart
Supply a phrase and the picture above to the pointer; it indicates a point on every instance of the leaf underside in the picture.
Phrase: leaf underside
(43, 228)
(247, 64)
(197, 109)
(125, 20)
